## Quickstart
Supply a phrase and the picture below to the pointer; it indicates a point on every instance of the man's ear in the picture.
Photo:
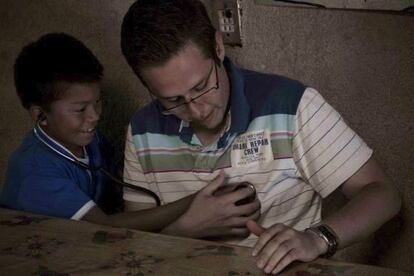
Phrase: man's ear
(220, 50)
(37, 114)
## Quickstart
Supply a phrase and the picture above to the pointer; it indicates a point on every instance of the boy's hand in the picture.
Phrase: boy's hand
(211, 215)
(279, 245)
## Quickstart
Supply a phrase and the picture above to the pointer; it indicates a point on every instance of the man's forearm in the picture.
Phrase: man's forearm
(375, 204)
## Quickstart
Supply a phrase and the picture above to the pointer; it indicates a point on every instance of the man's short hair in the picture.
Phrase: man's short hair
(53, 57)
(155, 30)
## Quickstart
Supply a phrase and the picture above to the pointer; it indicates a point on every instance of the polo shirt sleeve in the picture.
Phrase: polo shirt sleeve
(133, 173)
(50, 193)
(326, 150)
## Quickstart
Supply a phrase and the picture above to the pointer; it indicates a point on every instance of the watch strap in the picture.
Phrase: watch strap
(328, 235)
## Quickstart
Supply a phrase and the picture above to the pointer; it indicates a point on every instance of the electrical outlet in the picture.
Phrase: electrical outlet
(228, 13)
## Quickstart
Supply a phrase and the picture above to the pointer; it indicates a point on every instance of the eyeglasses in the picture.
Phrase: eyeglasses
(181, 102)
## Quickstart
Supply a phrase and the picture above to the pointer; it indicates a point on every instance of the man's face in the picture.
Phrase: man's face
(187, 76)
(72, 119)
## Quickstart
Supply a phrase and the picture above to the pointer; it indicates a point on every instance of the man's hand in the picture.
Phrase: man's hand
(279, 245)
(211, 215)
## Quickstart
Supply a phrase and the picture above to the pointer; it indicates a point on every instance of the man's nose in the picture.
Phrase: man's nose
(194, 109)
(187, 98)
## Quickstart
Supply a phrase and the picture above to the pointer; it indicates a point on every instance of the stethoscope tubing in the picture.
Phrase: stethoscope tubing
(99, 168)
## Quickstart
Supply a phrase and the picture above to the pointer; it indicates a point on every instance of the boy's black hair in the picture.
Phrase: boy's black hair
(53, 57)
(155, 30)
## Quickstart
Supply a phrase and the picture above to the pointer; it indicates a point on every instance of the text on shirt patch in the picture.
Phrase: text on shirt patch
(251, 148)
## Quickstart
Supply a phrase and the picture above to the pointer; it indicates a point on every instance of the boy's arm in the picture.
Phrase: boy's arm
(151, 219)
(206, 216)
(220, 216)
(130, 206)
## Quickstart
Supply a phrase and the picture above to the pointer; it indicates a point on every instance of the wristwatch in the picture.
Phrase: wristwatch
(328, 235)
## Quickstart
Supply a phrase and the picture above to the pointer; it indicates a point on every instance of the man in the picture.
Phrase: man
(268, 130)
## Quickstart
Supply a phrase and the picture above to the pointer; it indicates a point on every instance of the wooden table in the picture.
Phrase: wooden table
(38, 245)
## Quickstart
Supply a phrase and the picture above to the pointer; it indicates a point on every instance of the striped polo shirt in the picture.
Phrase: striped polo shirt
(282, 137)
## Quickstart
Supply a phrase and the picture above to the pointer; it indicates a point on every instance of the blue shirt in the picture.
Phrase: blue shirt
(41, 180)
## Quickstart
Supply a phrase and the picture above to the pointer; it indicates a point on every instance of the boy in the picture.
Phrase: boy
(58, 81)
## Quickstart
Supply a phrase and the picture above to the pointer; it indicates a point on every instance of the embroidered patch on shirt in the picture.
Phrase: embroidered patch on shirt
(251, 148)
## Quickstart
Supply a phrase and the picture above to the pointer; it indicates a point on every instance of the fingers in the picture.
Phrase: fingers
(255, 216)
(238, 194)
(280, 245)
(224, 189)
(265, 237)
(284, 262)
(248, 209)
(224, 233)
(215, 184)
(239, 231)
(271, 256)
(255, 228)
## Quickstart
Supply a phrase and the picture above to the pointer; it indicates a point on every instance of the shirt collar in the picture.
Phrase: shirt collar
(54, 145)
(239, 109)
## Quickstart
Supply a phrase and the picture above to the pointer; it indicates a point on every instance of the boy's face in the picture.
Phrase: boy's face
(185, 76)
(71, 120)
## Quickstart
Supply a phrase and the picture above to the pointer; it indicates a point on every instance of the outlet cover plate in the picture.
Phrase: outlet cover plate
(227, 15)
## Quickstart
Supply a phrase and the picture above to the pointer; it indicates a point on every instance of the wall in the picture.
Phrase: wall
(362, 62)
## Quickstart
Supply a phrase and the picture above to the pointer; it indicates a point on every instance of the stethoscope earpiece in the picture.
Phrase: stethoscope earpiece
(41, 119)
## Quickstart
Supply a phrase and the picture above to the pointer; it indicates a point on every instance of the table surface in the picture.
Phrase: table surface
(33, 244)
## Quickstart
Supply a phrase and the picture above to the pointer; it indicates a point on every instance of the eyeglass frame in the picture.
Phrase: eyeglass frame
(167, 111)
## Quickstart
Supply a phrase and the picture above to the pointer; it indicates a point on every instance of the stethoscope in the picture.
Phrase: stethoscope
(98, 168)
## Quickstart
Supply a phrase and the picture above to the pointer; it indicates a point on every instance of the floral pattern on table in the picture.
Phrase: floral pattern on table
(101, 237)
(34, 246)
(60, 247)
(132, 264)
(212, 250)
(44, 271)
(235, 273)
(22, 220)
(314, 269)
